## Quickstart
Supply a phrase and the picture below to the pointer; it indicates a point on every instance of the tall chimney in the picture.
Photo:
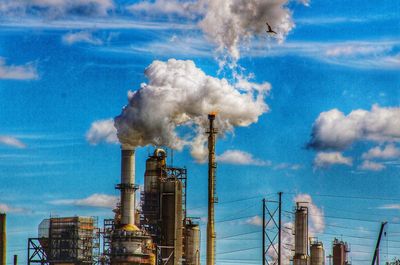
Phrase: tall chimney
(211, 192)
(301, 236)
(3, 239)
(127, 186)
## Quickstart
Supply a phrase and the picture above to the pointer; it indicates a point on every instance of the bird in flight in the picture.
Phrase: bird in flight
(270, 31)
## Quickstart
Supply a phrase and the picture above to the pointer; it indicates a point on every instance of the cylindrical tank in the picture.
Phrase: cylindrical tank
(3, 238)
(192, 244)
(339, 252)
(127, 186)
(317, 253)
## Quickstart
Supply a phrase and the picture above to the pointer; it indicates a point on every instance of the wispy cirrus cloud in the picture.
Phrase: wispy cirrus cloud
(81, 37)
(6, 208)
(27, 71)
(11, 141)
(56, 9)
(394, 206)
(96, 200)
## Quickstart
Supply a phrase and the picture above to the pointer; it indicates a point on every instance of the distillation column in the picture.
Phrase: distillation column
(211, 192)
(301, 236)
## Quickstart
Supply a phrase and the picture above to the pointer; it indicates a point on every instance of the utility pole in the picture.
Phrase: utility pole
(376, 253)
(280, 229)
(263, 232)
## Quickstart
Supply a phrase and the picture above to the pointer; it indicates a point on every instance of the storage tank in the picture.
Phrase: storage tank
(191, 243)
(340, 250)
(301, 236)
(317, 253)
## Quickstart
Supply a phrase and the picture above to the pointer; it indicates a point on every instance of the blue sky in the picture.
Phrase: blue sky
(65, 66)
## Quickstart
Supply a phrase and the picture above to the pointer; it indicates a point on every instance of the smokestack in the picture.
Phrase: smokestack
(211, 192)
(127, 187)
(15, 259)
(3, 239)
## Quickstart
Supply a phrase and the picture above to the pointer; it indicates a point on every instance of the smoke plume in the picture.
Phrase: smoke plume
(171, 109)
(228, 23)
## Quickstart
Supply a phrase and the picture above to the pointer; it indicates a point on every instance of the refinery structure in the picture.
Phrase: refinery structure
(159, 232)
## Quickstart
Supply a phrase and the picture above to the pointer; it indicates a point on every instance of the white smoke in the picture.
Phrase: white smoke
(229, 23)
(171, 109)
(287, 245)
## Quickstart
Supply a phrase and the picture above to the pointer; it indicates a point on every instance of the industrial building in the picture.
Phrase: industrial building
(159, 233)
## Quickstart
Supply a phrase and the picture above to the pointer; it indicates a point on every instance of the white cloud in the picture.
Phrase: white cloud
(168, 7)
(56, 8)
(335, 130)
(5, 208)
(255, 220)
(288, 166)
(11, 141)
(390, 207)
(81, 37)
(96, 200)
(389, 151)
(371, 166)
(17, 72)
(327, 159)
(353, 50)
(102, 131)
(239, 157)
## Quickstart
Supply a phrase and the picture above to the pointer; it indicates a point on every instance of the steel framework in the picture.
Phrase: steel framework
(272, 231)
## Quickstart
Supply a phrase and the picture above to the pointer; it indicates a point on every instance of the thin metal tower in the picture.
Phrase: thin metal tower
(212, 199)
(271, 231)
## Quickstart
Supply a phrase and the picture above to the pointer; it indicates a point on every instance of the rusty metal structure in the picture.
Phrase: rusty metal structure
(317, 252)
(164, 207)
(340, 252)
(3, 239)
(212, 198)
(301, 235)
(65, 240)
